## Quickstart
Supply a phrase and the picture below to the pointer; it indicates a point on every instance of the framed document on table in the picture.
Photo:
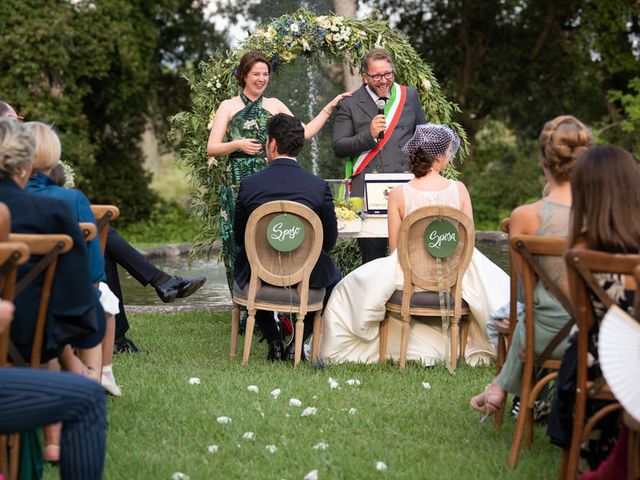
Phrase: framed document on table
(377, 187)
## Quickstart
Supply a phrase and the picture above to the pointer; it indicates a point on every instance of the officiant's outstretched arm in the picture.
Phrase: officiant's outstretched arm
(371, 139)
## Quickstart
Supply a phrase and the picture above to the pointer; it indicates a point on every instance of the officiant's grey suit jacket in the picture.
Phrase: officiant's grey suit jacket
(351, 135)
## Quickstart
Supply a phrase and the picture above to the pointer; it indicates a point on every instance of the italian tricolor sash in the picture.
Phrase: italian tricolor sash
(392, 112)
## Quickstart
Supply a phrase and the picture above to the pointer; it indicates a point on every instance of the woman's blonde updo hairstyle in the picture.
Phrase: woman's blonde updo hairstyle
(562, 141)
(16, 147)
(48, 149)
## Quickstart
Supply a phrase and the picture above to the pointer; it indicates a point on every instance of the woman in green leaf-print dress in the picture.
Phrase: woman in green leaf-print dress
(242, 120)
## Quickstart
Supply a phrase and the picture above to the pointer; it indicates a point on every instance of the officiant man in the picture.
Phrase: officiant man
(371, 126)
(285, 179)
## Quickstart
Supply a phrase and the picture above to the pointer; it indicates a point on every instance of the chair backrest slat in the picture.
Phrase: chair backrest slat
(12, 254)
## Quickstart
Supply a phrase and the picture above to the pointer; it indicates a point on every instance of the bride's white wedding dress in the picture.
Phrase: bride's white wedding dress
(357, 305)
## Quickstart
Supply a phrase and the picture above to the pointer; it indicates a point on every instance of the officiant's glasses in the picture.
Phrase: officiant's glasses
(378, 76)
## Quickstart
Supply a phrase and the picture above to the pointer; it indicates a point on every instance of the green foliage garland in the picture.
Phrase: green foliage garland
(301, 33)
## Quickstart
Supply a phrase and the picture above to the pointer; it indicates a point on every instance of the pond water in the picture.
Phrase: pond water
(215, 291)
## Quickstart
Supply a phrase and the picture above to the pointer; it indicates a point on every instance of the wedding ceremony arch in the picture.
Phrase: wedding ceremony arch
(302, 33)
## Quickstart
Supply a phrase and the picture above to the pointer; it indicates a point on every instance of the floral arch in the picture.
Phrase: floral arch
(301, 33)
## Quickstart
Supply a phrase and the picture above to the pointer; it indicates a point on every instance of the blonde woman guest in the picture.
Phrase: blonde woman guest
(562, 141)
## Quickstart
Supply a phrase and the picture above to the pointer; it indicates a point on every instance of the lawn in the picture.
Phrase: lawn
(163, 424)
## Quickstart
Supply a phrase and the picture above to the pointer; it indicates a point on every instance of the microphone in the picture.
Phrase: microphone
(380, 103)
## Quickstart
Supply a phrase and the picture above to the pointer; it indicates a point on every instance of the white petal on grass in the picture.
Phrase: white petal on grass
(213, 448)
(248, 436)
(426, 385)
(321, 446)
(354, 382)
(180, 476)
(294, 402)
(275, 393)
(312, 475)
(253, 388)
(193, 381)
(381, 466)
(352, 411)
(307, 412)
(333, 384)
(223, 420)
(271, 448)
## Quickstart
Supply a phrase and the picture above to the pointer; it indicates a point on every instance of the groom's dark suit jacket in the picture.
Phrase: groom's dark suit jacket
(284, 179)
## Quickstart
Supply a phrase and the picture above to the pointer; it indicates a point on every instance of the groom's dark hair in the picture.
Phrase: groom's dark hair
(288, 133)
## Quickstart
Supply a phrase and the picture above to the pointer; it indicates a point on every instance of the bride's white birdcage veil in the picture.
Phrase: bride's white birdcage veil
(434, 138)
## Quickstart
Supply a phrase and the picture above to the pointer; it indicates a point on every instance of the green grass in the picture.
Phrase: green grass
(162, 424)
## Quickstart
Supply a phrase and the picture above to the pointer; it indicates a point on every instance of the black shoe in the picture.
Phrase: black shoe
(276, 351)
(125, 345)
(290, 352)
(178, 287)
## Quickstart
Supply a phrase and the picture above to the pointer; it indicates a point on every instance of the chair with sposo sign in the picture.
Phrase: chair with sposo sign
(283, 240)
(434, 249)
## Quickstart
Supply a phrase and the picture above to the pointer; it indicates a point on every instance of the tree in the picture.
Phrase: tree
(98, 72)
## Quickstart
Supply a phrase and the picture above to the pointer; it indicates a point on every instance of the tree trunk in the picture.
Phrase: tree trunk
(347, 8)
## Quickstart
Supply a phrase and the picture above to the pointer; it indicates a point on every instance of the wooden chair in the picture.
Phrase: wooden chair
(431, 286)
(279, 280)
(49, 247)
(582, 267)
(524, 249)
(89, 230)
(104, 215)
(12, 254)
(505, 329)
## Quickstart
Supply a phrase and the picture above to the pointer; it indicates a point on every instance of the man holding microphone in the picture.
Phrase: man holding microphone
(371, 126)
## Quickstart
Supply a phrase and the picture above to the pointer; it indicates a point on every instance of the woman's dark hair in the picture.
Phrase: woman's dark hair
(605, 190)
(562, 141)
(421, 162)
(247, 62)
(288, 133)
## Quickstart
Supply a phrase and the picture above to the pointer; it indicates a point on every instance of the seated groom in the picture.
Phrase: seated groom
(284, 179)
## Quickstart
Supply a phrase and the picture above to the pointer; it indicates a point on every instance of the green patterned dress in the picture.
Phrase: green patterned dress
(250, 122)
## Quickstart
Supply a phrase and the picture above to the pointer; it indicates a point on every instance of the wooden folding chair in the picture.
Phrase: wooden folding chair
(524, 249)
(505, 329)
(583, 266)
(104, 215)
(431, 285)
(279, 280)
(12, 254)
(49, 247)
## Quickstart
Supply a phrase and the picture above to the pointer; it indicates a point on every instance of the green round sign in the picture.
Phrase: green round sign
(285, 232)
(441, 238)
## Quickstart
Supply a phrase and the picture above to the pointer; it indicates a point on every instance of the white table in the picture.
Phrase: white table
(371, 226)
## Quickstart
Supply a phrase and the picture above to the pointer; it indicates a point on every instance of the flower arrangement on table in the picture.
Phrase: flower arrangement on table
(282, 40)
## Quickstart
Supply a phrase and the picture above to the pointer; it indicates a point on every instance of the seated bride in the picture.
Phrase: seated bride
(357, 305)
